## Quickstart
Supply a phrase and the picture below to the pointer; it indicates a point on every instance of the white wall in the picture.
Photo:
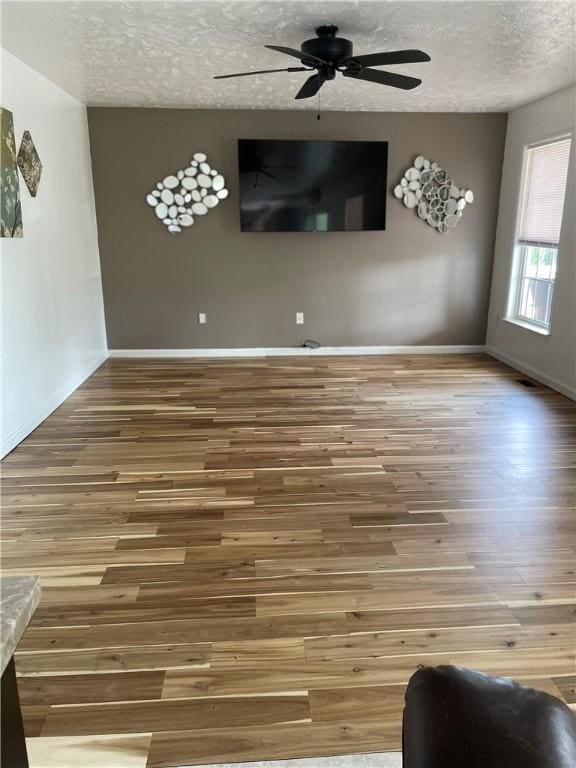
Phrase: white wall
(53, 333)
(552, 359)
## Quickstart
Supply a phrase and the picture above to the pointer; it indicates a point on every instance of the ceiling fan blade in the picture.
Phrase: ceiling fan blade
(391, 57)
(305, 57)
(384, 78)
(310, 87)
(262, 72)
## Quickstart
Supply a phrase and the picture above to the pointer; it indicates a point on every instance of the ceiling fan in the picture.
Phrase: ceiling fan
(328, 54)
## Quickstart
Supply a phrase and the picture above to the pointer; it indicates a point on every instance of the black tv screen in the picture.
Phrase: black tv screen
(312, 186)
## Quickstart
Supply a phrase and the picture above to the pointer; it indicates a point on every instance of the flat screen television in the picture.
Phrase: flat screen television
(312, 186)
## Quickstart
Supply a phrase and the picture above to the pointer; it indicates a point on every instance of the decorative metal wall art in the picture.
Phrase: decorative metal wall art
(29, 163)
(11, 209)
(426, 187)
(189, 192)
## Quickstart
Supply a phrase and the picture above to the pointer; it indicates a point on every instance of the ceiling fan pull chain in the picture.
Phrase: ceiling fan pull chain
(318, 116)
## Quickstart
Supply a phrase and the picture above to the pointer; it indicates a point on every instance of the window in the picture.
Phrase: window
(540, 219)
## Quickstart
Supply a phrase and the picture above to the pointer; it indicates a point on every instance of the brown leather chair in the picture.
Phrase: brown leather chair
(459, 718)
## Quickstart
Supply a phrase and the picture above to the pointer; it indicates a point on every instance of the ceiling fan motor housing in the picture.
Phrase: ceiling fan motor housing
(327, 46)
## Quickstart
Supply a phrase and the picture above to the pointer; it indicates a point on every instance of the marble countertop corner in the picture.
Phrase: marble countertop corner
(19, 598)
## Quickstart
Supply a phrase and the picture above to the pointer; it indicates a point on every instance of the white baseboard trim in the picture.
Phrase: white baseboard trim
(548, 381)
(296, 351)
(11, 440)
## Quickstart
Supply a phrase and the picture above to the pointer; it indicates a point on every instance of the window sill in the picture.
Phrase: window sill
(527, 326)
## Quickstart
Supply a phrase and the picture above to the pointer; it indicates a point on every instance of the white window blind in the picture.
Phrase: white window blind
(545, 185)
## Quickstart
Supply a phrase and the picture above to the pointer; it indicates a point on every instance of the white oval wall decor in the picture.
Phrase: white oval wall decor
(436, 199)
(172, 197)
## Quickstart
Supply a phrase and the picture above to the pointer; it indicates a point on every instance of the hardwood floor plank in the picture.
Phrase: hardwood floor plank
(68, 576)
(209, 573)
(53, 638)
(445, 543)
(276, 605)
(131, 717)
(430, 618)
(369, 703)
(92, 595)
(525, 559)
(271, 538)
(516, 595)
(160, 657)
(567, 687)
(547, 574)
(229, 653)
(288, 551)
(167, 542)
(112, 557)
(213, 630)
(271, 742)
(392, 643)
(545, 614)
(367, 563)
(336, 583)
(129, 613)
(34, 718)
(109, 751)
(86, 688)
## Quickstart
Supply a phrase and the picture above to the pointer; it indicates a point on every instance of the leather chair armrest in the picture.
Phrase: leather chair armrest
(459, 718)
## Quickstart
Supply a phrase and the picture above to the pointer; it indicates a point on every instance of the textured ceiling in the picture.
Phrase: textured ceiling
(485, 55)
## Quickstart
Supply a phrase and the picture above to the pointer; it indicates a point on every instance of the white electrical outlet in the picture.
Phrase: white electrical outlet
(202, 318)
(299, 318)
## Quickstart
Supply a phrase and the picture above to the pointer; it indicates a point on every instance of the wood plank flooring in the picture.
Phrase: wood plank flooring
(247, 559)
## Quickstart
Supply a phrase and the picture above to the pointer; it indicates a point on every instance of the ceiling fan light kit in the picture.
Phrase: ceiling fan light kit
(328, 54)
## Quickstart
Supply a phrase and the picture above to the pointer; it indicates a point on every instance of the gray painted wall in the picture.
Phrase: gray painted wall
(408, 285)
